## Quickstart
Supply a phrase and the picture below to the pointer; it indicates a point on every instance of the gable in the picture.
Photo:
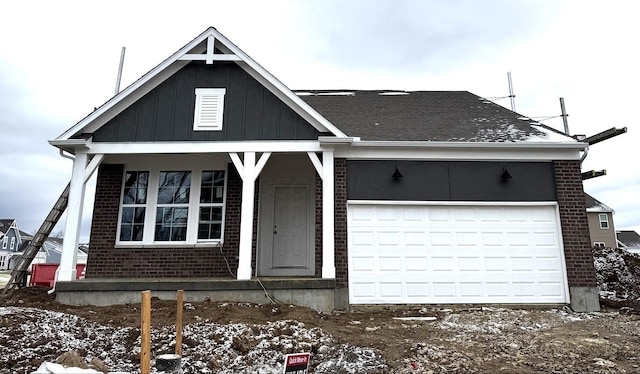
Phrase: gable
(210, 47)
(166, 113)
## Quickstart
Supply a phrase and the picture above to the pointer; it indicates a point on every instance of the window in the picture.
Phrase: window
(211, 197)
(172, 211)
(172, 206)
(209, 109)
(13, 243)
(604, 221)
(2, 259)
(4, 242)
(134, 199)
(598, 244)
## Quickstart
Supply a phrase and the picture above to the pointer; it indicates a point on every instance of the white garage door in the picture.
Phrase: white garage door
(439, 254)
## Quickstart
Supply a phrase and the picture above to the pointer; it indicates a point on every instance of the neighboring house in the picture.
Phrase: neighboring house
(212, 173)
(629, 240)
(51, 250)
(17, 241)
(10, 243)
(601, 228)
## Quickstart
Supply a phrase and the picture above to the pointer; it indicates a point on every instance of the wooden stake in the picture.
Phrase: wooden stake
(145, 333)
(180, 298)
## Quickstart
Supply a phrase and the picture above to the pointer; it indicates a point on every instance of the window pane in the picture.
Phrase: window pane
(139, 216)
(207, 178)
(174, 187)
(127, 215)
(135, 187)
(205, 194)
(125, 233)
(171, 224)
(212, 188)
(137, 233)
(210, 223)
(132, 224)
(179, 234)
(218, 178)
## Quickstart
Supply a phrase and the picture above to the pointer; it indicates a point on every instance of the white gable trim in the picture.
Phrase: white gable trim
(181, 58)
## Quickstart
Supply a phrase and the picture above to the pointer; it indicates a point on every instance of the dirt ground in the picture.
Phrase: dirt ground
(464, 340)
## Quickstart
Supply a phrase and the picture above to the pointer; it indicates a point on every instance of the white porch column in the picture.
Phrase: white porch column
(246, 216)
(328, 244)
(67, 269)
(249, 171)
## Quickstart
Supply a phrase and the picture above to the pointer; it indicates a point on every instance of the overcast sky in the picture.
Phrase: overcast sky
(59, 60)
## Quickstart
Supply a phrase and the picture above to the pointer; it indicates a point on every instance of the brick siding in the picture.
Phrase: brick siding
(575, 226)
(318, 227)
(340, 229)
(105, 261)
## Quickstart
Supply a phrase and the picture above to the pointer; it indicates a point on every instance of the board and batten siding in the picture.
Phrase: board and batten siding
(251, 112)
(450, 181)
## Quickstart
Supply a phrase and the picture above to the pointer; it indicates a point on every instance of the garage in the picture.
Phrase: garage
(450, 253)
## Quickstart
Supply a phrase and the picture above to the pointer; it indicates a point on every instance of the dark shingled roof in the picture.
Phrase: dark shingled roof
(594, 205)
(5, 224)
(421, 115)
(629, 238)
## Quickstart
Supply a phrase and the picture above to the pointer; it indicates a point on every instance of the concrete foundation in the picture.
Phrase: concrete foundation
(584, 299)
(318, 294)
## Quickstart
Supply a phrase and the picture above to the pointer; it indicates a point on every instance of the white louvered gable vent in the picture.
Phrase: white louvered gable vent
(209, 109)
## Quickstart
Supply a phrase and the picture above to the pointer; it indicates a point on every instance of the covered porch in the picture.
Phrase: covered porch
(271, 188)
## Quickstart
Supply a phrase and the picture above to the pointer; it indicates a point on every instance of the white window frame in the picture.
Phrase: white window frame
(209, 109)
(148, 236)
(5, 240)
(13, 243)
(2, 261)
(213, 205)
(604, 223)
(599, 244)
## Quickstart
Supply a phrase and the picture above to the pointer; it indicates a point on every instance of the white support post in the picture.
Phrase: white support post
(67, 269)
(328, 245)
(246, 216)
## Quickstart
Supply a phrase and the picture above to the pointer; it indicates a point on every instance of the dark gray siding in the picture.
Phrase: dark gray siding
(251, 112)
(450, 181)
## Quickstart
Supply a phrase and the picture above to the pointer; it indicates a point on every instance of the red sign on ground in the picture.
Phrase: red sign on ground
(296, 363)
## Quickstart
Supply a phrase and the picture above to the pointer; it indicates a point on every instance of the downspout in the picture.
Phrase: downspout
(70, 157)
(584, 155)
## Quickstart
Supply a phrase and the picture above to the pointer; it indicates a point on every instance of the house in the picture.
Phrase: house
(629, 240)
(15, 241)
(10, 243)
(51, 250)
(601, 228)
(215, 178)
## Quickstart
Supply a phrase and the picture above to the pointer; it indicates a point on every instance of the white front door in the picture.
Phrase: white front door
(290, 228)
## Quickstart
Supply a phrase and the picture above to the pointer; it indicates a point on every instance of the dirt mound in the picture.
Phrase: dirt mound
(618, 275)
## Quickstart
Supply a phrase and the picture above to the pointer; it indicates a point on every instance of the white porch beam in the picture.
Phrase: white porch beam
(93, 166)
(260, 164)
(316, 162)
(328, 245)
(237, 162)
(215, 57)
(67, 269)
(197, 147)
(246, 215)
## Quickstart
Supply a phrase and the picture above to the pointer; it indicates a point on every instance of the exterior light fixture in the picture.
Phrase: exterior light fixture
(505, 176)
(396, 175)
